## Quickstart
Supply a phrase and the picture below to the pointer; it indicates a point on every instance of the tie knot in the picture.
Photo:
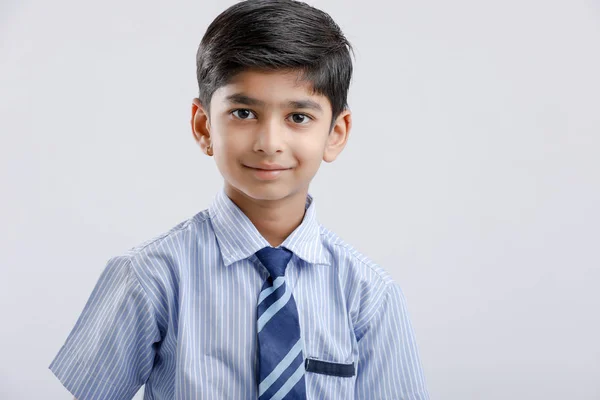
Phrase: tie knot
(275, 260)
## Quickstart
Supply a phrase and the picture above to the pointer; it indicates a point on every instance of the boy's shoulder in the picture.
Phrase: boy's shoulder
(157, 260)
(348, 259)
(167, 238)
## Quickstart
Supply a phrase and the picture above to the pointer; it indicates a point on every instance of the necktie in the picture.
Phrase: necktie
(280, 347)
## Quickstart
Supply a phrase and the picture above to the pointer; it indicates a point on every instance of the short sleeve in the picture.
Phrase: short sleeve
(110, 352)
(389, 366)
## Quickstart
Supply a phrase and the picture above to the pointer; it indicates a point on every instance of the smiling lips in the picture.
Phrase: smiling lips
(267, 171)
(269, 167)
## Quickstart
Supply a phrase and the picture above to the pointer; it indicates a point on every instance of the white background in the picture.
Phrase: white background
(472, 175)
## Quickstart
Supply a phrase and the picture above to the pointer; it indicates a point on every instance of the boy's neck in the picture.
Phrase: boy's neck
(275, 220)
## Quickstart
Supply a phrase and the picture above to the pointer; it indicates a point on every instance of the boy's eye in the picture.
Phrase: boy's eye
(242, 113)
(300, 119)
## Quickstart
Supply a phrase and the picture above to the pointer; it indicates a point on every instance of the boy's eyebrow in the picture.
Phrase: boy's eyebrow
(240, 98)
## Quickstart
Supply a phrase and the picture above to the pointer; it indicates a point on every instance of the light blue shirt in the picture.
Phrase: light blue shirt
(177, 314)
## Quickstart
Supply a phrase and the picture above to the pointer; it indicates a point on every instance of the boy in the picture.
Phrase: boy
(252, 297)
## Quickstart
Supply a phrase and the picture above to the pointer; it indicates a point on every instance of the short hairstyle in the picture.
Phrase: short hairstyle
(273, 35)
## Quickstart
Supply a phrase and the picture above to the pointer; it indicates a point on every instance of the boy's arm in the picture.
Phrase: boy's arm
(389, 365)
(110, 351)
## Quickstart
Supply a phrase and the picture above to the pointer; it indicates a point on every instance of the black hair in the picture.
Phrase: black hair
(274, 35)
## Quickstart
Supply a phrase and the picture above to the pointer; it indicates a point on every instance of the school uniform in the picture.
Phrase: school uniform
(178, 314)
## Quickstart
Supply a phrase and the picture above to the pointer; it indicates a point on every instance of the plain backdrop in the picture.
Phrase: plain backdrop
(472, 175)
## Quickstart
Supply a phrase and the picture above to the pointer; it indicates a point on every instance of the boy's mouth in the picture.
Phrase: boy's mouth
(268, 172)
(268, 167)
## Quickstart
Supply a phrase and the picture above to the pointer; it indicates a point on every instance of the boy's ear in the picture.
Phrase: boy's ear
(338, 137)
(201, 126)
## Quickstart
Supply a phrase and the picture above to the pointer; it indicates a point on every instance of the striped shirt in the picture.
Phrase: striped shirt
(177, 314)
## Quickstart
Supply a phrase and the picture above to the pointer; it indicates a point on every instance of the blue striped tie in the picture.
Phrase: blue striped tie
(280, 347)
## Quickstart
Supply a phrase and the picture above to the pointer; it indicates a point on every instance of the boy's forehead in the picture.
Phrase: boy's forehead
(270, 88)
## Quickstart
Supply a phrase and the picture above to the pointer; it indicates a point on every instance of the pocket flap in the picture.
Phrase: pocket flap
(329, 368)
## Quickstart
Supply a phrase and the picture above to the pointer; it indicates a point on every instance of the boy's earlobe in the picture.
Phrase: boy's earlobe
(338, 137)
(201, 126)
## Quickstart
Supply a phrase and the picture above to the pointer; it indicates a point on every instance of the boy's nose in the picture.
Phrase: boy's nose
(270, 138)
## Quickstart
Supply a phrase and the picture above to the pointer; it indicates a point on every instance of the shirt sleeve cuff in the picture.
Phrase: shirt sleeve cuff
(77, 379)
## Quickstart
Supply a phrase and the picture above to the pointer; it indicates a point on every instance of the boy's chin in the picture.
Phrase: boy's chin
(268, 192)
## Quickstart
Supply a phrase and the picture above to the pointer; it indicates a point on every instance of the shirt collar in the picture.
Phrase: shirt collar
(239, 239)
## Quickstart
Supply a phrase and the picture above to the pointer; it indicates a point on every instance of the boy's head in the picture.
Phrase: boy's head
(273, 80)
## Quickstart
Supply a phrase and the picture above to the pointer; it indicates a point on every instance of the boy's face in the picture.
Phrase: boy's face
(269, 134)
